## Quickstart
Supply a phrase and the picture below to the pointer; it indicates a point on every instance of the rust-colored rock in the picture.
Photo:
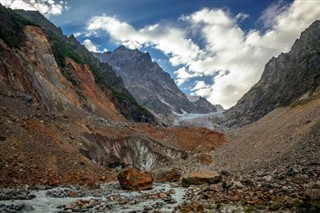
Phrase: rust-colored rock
(205, 158)
(73, 194)
(167, 175)
(201, 177)
(134, 179)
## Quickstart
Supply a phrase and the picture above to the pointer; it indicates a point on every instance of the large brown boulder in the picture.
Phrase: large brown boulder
(134, 179)
(200, 177)
(167, 175)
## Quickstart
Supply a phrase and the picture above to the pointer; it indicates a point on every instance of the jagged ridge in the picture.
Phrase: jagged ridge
(284, 81)
(150, 85)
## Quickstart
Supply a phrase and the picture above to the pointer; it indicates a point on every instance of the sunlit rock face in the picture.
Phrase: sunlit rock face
(150, 85)
(286, 80)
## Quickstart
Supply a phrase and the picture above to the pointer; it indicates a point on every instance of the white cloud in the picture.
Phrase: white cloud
(182, 75)
(225, 46)
(169, 39)
(269, 15)
(46, 7)
(86, 34)
(201, 89)
(90, 46)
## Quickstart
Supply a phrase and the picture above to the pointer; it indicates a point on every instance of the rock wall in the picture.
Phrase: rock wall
(286, 79)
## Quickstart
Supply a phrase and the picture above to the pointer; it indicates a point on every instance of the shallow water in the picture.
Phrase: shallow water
(45, 203)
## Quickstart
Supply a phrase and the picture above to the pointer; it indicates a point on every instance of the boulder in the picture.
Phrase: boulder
(205, 158)
(201, 177)
(134, 179)
(167, 175)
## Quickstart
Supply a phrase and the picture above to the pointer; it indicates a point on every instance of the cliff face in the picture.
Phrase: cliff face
(286, 80)
(105, 79)
(32, 68)
(150, 85)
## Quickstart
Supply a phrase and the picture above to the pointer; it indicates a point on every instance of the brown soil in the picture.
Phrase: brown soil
(37, 146)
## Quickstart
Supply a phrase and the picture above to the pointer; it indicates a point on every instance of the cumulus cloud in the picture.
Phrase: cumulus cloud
(182, 75)
(46, 7)
(171, 40)
(90, 45)
(201, 89)
(232, 57)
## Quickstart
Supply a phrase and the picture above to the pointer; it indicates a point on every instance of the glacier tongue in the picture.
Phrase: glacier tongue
(199, 120)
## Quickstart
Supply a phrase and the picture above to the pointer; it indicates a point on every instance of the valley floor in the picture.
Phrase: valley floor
(271, 165)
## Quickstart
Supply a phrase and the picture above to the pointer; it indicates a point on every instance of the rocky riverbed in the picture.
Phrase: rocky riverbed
(107, 198)
(287, 189)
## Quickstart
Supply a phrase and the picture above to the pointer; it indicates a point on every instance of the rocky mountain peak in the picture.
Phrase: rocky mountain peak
(127, 54)
(152, 87)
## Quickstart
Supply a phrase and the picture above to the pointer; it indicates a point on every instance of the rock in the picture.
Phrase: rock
(69, 206)
(205, 158)
(134, 179)
(103, 199)
(26, 187)
(27, 208)
(167, 175)
(276, 205)
(73, 194)
(162, 195)
(238, 184)
(172, 201)
(314, 194)
(19, 206)
(85, 206)
(267, 178)
(172, 191)
(31, 195)
(175, 185)
(289, 201)
(201, 177)
(39, 187)
(26, 97)
(225, 173)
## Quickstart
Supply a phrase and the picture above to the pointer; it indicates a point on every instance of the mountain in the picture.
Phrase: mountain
(67, 118)
(67, 125)
(290, 78)
(150, 85)
(63, 46)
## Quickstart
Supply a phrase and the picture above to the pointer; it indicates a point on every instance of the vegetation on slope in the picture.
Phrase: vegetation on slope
(11, 27)
(11, 32)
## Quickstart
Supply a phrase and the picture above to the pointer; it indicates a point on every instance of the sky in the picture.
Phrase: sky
(216, 49)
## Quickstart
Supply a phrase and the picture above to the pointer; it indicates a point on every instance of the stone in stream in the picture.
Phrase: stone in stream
(134, 179)
(167, 175)
(31, 195)
(200, 177)
(27, 208)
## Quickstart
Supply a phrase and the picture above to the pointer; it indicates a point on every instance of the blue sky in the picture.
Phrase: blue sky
(213, 48)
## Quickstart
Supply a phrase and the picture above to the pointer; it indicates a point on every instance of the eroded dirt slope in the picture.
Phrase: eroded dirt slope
(55, 131)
